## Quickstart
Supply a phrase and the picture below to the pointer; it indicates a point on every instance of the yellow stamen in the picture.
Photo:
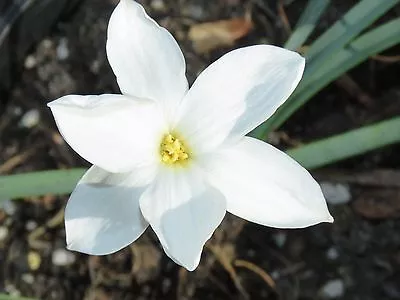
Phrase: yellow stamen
(173, 150)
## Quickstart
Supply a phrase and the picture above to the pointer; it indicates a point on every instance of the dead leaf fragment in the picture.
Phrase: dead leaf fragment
(213, 35)
(381, 178)
(378, 203)
(146, 261)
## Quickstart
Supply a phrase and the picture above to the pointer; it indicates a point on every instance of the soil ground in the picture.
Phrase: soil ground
(357, 257)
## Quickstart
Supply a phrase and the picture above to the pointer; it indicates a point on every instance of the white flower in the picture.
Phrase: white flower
(178, 159)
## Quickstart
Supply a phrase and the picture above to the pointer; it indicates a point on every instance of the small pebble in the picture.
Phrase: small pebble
(46, 43)
(30, 119)
(30, 225)
(158, 5)
(17, 111)
(251, 253)
(30, 62)
(62, 49)
(280, 238)
(28, 278)
(194, 11)
(332, 253)
(8, 206)
(336, 193)
(12, 290)
(333, 289)
(275, 274)
(3, 233)
(95, 66)
(62, 258)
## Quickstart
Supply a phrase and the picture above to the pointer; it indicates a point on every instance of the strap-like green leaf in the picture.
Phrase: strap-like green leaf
(39, 183)
(349, 144)
(349, 26)
(306, 23)
(370, 43)
(8, 297)
(313, 155)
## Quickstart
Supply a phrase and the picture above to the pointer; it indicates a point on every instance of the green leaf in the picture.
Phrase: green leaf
(341, 33)
(306, 23)
(313, 155)
(329, 48)
(8, 297)
(327, 66)
(370, 43)
(350, 25)
(349, 144)
(39, 183)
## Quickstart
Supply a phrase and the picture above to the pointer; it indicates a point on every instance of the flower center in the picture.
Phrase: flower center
(173, 150)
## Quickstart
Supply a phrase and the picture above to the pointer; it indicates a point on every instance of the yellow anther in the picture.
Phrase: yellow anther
(173, 150)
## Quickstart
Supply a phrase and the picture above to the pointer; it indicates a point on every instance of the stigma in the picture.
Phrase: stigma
(173, 150)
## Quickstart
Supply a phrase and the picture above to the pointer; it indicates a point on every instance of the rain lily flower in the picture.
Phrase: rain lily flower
(176, 158)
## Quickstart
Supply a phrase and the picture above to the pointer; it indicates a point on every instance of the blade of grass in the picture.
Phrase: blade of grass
(306, 23)
(311, 156)
(349, 144)
(370, 43)
(39, 183)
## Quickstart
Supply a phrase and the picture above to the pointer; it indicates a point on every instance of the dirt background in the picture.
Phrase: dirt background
(357, 257)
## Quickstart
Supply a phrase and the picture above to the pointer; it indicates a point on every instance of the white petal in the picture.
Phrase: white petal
(184, 212)
(145, 57)
(237, 93)
(103, 215)
(114, 132)
(264, 185)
